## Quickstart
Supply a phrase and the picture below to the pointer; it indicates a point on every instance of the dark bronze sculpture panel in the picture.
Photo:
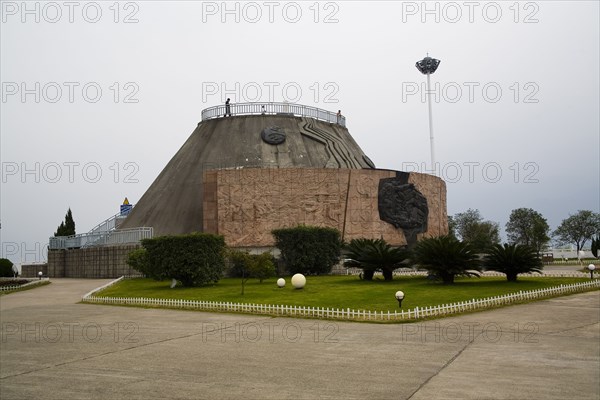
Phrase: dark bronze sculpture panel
(403, 206)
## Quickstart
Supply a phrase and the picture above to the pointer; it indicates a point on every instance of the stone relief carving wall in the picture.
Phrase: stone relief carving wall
(362, 217)
(244, 205)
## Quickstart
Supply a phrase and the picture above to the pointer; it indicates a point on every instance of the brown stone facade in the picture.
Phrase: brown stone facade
(245, 205)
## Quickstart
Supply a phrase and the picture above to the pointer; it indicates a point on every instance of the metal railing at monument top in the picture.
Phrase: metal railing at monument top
(284, 109)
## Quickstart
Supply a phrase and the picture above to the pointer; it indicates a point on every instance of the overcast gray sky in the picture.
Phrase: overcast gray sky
(98, 96)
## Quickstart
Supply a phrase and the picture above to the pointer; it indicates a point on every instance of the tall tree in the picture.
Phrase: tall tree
(595, 245)
(67, 227)
(451, 226)
(578, 228)
(528, 227)
(470, 227)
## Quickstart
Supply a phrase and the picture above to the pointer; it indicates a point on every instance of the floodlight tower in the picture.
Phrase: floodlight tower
(428, 66)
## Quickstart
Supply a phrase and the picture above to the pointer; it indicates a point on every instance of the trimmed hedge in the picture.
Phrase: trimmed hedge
(245, 265)
(194, 260)
(309, 250)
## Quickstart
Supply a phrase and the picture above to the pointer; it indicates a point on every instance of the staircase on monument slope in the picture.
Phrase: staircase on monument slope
(103, 234)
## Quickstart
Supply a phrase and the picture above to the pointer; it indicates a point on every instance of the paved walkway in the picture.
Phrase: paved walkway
(53, 348)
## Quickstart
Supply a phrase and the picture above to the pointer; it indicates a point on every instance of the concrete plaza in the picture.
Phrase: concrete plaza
(53, 348)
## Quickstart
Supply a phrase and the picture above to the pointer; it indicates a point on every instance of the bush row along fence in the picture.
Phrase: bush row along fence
(572, 261)
(574, 274)
(346, 314)
(31, 283)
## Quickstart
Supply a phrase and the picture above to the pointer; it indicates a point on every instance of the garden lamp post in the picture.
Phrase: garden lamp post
(400, 297)
(40, 275)
(428, 66)
(591, 267)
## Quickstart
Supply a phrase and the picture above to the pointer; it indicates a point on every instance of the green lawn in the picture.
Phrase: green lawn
(337, 291)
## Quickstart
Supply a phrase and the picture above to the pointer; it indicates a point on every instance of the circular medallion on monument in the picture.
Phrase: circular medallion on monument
(273, 135)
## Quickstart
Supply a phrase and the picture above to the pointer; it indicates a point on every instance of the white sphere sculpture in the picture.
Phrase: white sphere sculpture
(298, 281)
(281, 282)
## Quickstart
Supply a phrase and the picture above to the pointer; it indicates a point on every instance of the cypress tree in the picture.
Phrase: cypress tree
(69, 223)
(67, 227)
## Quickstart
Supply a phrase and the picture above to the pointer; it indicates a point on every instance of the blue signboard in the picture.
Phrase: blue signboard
(125, 207)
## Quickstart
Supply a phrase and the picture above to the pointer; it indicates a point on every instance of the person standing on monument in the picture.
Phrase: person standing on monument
(227, 108)
(339, 117)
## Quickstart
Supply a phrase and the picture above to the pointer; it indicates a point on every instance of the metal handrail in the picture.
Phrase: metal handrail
(121, 236)
(287, 109)
(92, 238)
(108, 224)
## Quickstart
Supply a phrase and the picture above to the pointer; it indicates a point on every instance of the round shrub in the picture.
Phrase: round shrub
(6, 268)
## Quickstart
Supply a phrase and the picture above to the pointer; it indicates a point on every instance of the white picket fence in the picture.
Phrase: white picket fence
(345, 314)
(31, 283)
(13, 287)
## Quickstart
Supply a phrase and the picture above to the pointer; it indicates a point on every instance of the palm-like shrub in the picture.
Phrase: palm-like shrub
(512, 259)
(375, 255)
(446, 257)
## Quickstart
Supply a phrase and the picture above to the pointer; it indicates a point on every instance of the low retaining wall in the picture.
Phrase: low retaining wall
(31, 270)
(92, 262)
